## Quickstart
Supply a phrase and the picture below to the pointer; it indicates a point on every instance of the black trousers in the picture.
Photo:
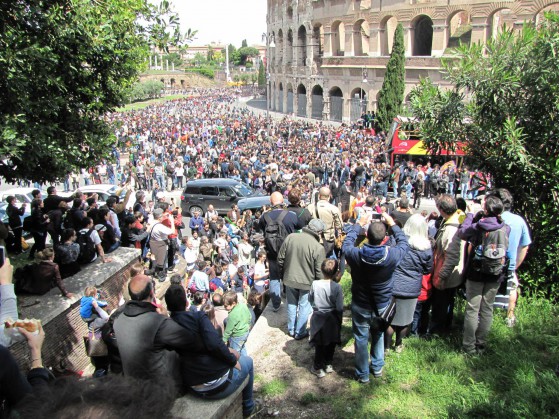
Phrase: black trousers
(323, 355)
(17, 239)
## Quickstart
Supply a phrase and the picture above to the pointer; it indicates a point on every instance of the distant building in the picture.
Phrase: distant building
(330, 56)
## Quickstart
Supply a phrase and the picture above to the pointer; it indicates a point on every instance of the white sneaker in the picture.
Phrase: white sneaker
(329, 369)
(319, 373)
(511, 321)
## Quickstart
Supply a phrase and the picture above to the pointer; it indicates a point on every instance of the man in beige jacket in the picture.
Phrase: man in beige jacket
(330, 215)
(448, 265)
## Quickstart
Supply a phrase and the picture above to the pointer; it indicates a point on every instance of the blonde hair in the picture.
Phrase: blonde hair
(90, 292)
(416, 231)
(45, 254)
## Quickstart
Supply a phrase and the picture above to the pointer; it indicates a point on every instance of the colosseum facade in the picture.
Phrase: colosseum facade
(328, 57)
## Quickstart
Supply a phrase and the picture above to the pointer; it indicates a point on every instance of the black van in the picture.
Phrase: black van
(219, 192)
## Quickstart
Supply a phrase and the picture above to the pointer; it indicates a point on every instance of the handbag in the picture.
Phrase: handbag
(95, 345)
(381, 322)
(24, 244)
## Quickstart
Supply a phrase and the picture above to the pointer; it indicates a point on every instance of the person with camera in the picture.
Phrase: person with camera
(14, 220)
(372, 268)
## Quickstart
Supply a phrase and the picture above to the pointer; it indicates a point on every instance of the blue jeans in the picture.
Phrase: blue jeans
(464, 190)
(361, 325)
(450, 188)
(161, 181)
(298, 310)
(236, 381)
(275, 293)
(238, 343)
(113, 247)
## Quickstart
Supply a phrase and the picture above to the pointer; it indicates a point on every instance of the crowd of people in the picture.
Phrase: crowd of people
(329, 211)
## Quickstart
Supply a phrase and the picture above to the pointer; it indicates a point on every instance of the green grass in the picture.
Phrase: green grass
(515, 378)
(140, 105)
(274, 388)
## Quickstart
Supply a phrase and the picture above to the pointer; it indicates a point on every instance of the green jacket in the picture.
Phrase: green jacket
(238, 322)
(300, 258)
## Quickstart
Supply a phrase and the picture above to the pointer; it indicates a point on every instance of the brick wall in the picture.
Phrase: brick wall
(64, 334)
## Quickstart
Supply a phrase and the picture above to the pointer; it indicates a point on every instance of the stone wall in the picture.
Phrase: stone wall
(64, 328)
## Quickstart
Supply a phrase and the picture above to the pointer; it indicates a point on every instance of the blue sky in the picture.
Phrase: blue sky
(225, 21)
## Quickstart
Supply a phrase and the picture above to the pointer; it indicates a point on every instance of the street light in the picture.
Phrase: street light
(364, 74)
(270, 43)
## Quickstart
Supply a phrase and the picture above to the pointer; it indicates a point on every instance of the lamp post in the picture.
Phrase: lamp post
(269, 44)
(364, 74)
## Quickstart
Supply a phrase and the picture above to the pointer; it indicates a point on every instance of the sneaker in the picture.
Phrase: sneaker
(511, 321)
(328, 369)
(275, 310)
(363, 380)
(377, 374)
(301, 337)
(258, 406)
(399, 348)
(319, 373)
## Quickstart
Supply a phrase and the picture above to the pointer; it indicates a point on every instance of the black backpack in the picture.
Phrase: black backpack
(489, 257)
(275, 233)
(87, 247)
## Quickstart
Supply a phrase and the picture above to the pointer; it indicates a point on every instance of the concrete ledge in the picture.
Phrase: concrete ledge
(192, 407)
(61, 319)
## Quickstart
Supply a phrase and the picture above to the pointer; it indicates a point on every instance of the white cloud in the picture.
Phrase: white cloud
(225, 21)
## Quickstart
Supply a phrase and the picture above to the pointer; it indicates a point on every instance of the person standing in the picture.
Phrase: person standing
(299, 261)
(488, 236)
(448, 265)
(372, 268)
(159, 237)
(519, 243)
(464, 182)
(276, 224)
(39, 224)
(330, 215)
(14, 220)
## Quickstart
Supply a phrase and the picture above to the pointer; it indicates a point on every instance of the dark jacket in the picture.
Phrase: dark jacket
(372, 268)
(209, 362)
(13, 385)
(39, 222)
(145, 338)
(14, 213)
(39, 278)
(409, 273)
(51, 202)
(303, 215)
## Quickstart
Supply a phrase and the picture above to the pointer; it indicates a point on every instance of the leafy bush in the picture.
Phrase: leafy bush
(203, 71)
(509, 126)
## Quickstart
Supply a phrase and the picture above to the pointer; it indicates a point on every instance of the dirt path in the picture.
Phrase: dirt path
(281, 365)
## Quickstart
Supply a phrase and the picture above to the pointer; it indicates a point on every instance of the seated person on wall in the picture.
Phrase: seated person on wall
(90, 243)
(211, 371)
(40, 278)
(67, 252)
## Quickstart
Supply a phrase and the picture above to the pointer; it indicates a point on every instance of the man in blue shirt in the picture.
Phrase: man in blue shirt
(519, 242)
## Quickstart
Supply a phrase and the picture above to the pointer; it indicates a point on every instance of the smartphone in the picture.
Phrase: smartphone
(2, 255)
(377, 216)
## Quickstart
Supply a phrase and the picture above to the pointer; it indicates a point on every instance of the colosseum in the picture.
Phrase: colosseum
(327, 58)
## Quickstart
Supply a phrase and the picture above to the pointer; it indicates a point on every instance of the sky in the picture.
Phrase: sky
(223, 21)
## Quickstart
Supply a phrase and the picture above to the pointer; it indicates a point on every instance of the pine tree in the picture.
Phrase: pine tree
(261, 75)
(391, 95)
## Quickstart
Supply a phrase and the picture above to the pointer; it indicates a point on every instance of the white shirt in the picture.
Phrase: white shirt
(95, 237)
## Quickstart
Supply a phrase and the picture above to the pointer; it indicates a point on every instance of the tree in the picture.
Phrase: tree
(510, 130)
(173, 58)
(210, 54)
(441, 115)
(391, 95)
(245, 53)
(261, 75)
(244, 43)
(63, 65)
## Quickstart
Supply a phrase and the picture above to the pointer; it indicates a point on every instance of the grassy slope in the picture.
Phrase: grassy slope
(431, 378)
(141, 105)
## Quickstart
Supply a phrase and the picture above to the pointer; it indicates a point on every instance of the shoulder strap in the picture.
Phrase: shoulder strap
(282, 216)
(316, 210)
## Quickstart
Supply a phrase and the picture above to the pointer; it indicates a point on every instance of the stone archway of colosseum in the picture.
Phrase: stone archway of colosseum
(542, 7)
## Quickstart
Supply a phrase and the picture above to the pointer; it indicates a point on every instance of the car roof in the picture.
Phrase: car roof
(213, 181)
(21, 191)
(103, 187)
